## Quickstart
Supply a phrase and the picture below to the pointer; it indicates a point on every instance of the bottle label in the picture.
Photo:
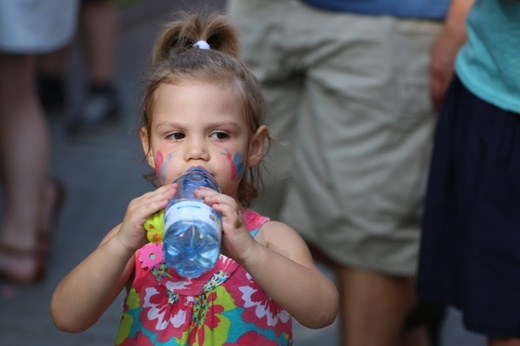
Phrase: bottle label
(194, 210)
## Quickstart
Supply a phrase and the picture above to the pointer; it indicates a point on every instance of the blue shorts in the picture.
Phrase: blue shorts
(470, 247)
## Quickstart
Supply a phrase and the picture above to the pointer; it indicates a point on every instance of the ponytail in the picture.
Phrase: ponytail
(180, 36)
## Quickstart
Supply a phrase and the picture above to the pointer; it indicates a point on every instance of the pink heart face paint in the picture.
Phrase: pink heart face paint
(161, 166)
(158, 164)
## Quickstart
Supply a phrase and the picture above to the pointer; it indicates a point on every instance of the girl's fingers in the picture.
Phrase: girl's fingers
(204, 193)
(226, 205)
(229, 213)
(236, 238)
(140, 208)
(211, 197)
(163, 192)
(153, 199)
(131, 233)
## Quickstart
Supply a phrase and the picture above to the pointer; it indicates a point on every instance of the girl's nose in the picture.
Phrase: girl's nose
(196, 149)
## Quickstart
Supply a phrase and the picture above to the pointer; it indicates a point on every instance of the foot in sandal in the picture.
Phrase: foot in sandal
(26, 265)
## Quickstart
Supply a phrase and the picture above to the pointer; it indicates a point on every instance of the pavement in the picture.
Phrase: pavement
(102, 174)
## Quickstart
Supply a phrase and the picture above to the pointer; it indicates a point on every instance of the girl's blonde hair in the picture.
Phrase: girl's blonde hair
(176, 59)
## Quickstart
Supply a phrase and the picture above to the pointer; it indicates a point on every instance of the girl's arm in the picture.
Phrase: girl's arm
(279, 261)
(89, 289)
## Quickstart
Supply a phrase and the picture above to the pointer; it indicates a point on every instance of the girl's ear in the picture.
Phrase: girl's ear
(256, 146)
(146, 147)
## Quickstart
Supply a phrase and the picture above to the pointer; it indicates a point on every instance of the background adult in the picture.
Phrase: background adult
(348, 84)
(99, 29)
(27, 28)
(470, 244)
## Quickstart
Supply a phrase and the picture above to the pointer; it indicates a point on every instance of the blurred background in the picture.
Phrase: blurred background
(101, 174)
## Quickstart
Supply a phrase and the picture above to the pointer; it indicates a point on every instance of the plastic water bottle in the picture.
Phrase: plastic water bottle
(193, 229)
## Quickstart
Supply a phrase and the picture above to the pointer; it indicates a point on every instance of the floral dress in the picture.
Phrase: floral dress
(223, 306)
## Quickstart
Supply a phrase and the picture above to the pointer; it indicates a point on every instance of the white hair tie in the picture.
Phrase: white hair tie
(201, 45)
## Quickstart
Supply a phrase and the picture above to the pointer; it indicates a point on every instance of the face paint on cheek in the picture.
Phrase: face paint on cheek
(237, 166)
(161, 166)
(158, 164)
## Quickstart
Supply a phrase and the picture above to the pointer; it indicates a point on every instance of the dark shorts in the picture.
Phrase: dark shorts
(93, 1)
(470, 246)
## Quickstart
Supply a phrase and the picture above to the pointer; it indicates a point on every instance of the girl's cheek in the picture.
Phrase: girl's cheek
(161, 168)
(159, 160)
(236, 165)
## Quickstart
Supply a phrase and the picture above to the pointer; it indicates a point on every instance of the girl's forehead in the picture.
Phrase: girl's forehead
(201, 87)
(198, 99)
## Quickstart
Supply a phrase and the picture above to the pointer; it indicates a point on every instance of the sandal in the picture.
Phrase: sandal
(54, 196)
(14, 277)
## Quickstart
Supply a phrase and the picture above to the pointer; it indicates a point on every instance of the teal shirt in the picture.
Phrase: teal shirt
(489, 63)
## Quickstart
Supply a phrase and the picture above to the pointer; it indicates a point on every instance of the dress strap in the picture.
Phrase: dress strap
(254, 221)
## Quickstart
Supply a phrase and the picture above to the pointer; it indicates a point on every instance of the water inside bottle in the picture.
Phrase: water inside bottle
(192, 247)
(192, 228)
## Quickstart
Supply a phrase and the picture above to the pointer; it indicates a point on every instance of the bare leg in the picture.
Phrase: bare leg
(373, 307)
(504, 342)
(99, 24)
(99, 27)
(416, 337)
(54, 64)
(23, 159)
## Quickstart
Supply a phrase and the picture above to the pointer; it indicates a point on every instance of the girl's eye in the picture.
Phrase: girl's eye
(176, 136)
(219, 135)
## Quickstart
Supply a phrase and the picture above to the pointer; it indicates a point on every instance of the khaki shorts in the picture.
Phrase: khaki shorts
(350, 111)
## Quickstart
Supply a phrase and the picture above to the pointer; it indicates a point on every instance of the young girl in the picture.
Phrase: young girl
(202, 108)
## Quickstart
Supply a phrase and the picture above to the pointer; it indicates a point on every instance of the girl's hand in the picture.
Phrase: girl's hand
(236, 240)
(131, 234)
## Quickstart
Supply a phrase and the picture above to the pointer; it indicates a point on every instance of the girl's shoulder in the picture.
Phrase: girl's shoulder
(260, 225)
(269, 232)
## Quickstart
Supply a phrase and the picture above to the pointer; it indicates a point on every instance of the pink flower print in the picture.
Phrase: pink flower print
(151, 256)
(139, 339)
(260, 309)
(252, 338)
(205, 317)
(159, 316)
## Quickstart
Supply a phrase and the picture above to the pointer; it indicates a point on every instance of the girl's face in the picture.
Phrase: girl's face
(200, 124)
